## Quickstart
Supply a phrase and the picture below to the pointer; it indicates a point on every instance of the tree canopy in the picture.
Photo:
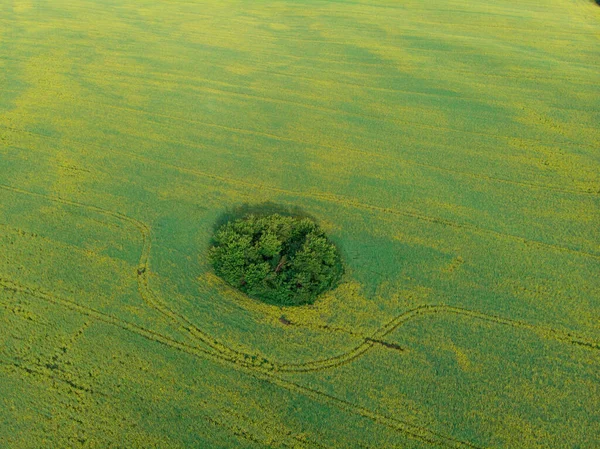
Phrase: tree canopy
(277, 259)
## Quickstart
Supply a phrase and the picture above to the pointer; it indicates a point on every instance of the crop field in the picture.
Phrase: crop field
(449, 148)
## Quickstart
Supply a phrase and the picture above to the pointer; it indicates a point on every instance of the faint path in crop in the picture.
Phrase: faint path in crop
(249, 360)
(225, 352)
(333, 111)
(263, 368)
(379, 156)
(328, 111)
(233, 355)
(300, 441)
(350, 202)
(417, 432)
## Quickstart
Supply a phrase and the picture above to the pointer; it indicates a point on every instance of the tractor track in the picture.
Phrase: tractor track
(260, 368)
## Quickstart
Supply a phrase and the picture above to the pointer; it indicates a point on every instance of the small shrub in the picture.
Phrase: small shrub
(277, 259)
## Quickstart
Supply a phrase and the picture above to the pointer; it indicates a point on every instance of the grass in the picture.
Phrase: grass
(448, 148)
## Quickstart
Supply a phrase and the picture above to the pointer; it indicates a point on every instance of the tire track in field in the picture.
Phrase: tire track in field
(155, 81)
(416, 432)
(302, 441)
(529, 74)
(350, 202)
(262, 368)
(225, 30)
(243, 131)
(437, 309)
(147, 294)
(331, 111)
(558, 30)
(524, 184)
(41, 371)
(192, 82)
(413, 431)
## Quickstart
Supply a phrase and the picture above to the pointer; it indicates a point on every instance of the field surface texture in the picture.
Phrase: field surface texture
(448, 148)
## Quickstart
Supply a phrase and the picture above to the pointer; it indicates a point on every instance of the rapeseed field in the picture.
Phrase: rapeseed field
(449, 149)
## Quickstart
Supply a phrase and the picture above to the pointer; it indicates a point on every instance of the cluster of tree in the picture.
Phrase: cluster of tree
(278, 259)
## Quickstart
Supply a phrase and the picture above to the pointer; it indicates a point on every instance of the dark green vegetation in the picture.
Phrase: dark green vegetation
(281, 260)
(448, 147)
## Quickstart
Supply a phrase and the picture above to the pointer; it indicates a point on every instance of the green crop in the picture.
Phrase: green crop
(448, 148)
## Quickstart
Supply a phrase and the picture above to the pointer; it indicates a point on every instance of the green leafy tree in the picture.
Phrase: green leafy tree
(277, 259)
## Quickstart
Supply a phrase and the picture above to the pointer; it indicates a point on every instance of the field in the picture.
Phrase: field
(449, 148)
